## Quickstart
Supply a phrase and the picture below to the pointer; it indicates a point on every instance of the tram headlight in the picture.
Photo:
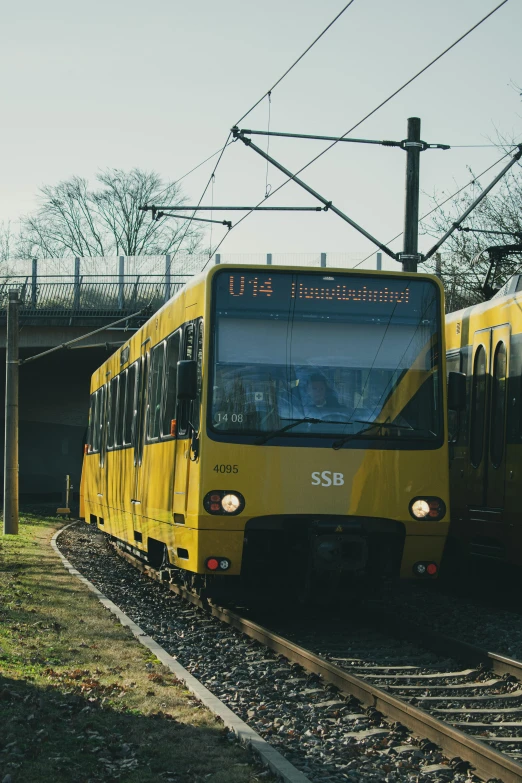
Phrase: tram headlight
(427, 509)
(420, 509)
(230, 503)
(224, 501)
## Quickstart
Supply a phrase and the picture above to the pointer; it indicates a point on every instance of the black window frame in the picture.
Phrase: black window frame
(195, 414)
(185, 406)
(497, 428)
(120, 410)
(128, 424)
(102, 428)
(190, 337)
(140, 408)
(93, 403)
(112, 411)
(155, 351)
(322, 441)
(176, 334)
(473, 443)
(96, 442)
(453, 361)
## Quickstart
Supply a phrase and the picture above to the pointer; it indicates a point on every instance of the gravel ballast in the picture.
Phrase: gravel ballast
(328, 737)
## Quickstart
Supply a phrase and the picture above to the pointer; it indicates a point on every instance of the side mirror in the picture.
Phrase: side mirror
(456, 391)
(187, 379)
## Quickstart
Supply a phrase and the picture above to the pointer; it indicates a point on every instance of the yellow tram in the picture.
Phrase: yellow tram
(484, 345)
(277, 423)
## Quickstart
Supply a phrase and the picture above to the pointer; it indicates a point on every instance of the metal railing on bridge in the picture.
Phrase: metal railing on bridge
(87, 298)
(98, 289)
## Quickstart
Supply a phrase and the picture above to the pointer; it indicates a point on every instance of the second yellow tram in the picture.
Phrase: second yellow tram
(484, 344)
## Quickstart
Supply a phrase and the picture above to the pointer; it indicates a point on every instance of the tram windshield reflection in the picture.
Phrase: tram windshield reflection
(345, 349)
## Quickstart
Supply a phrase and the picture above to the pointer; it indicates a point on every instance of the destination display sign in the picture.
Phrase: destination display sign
(237, 290)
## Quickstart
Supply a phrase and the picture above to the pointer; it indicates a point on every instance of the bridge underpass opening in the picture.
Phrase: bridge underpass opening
(53, 418)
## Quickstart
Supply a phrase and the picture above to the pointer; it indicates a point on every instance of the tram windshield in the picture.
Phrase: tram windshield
(347, 351)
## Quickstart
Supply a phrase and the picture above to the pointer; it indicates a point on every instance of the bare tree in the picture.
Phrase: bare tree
(72, 219)
(463, 270)
(7, 245)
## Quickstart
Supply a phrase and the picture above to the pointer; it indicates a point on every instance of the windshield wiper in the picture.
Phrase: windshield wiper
(341, 441)
(294, 423)
(304, 420)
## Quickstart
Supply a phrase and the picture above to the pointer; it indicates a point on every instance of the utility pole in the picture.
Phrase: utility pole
(413, 146)
(11, 418)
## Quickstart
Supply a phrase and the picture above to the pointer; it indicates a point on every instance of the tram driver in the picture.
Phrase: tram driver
(322, 398)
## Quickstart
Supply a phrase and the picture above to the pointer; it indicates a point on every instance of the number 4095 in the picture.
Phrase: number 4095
(226, 469)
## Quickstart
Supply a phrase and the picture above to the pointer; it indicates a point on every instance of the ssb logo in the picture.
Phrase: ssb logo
(327, 479)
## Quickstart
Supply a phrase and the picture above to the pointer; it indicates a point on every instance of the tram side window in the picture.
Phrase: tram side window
(189, 340)
(103, 419)
(92, 417)
(453, 365)
(196, 405)
(453, 361)
(184, 406)
(96, 422)
(168, 427)
(113, 402)
(118, 436)
(155, 389)
(498, 405)
(478, 407)
(130, 404)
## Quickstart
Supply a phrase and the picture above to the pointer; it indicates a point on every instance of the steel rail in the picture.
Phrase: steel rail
(468, 653)
(486, 762)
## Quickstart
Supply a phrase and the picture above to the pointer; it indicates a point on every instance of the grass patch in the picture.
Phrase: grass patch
(80, 699)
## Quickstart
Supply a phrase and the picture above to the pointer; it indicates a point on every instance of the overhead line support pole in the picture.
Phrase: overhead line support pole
(413, 146)
(160, 210)
(327, 204)
(381, 142)
(11, 418)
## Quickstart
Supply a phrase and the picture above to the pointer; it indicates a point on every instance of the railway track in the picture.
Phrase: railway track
(473, 713)
(363, 697)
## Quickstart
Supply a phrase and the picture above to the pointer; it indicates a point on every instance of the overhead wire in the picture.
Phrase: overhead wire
(266, 94)
(476, 146)
(394, 93)
(334, 20)
(190, 219)
(367, 116)
(158, 195)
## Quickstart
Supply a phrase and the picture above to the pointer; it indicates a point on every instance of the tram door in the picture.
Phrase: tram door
(139, 434)
(487, 452)
(183, 415)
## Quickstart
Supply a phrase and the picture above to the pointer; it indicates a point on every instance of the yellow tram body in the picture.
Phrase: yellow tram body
(484, 342)
(157, 474)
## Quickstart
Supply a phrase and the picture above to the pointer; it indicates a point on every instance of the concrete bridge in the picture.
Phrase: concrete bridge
(54, 390)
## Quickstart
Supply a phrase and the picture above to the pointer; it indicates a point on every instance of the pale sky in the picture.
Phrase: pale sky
(87, 86)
